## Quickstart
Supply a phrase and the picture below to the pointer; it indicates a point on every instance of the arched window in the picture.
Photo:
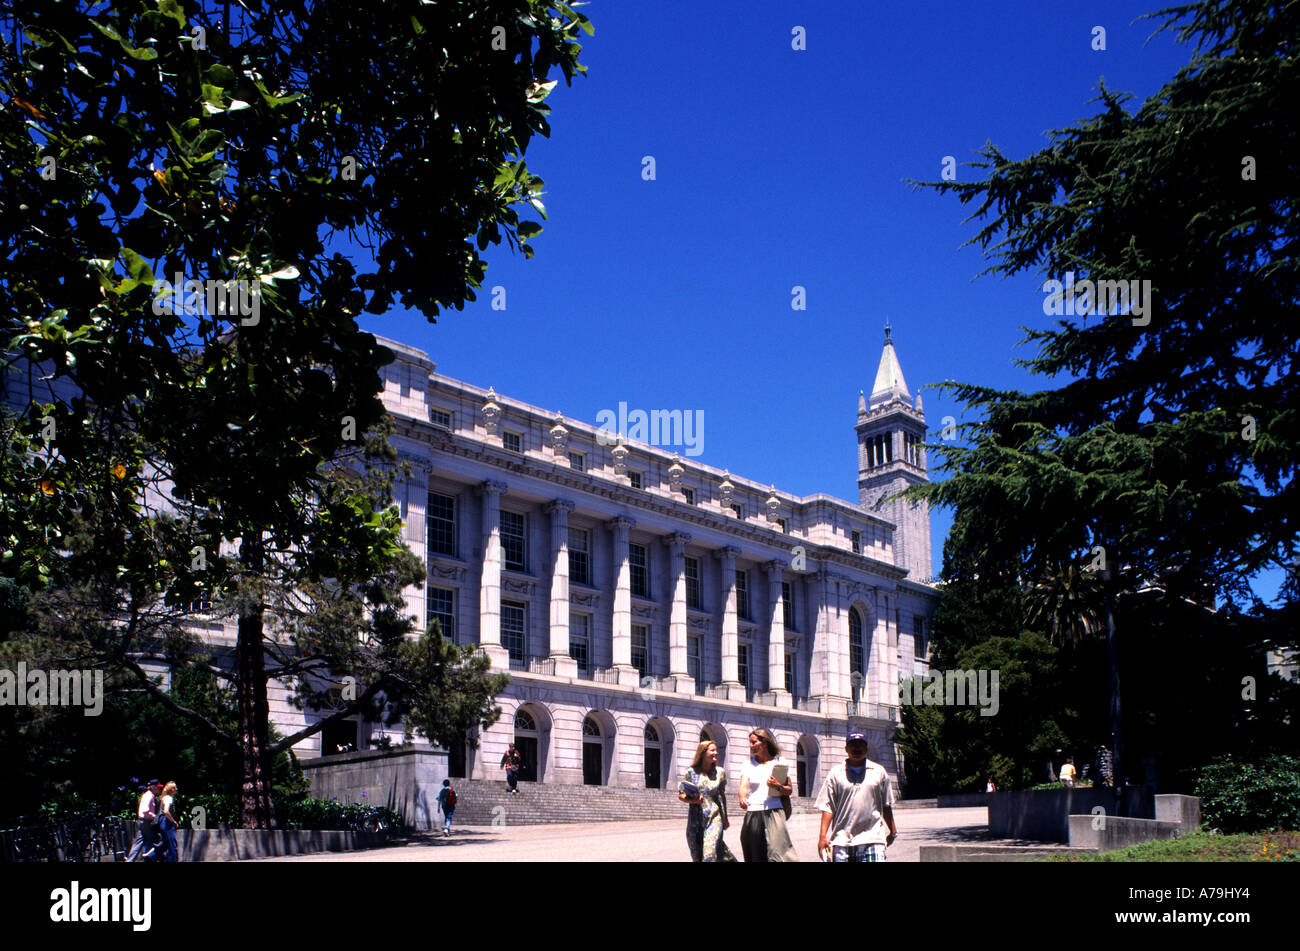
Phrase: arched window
(856, 655)
(651, 734)
(590, 727)
(525, 721)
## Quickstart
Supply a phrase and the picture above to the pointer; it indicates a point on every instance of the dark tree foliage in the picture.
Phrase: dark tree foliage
(177, 445)
(1163, 460)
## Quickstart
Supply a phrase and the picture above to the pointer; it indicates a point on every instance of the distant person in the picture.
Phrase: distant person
(146, 844)
(990, 787)
(856, 803)
(167, 824)
(764, 791)
(511, 763)
(704, 789)
(447, 805)
(1068, 774)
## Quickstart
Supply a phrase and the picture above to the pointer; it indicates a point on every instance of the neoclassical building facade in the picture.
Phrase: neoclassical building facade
(641, 601)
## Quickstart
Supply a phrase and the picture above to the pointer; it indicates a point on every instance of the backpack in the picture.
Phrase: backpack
(451, 798)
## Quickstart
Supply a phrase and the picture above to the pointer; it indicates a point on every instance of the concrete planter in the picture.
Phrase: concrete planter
(234, 845)
(405, 780)
(1045, 814)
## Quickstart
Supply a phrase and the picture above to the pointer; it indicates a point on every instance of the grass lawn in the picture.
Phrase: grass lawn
(1200, 846)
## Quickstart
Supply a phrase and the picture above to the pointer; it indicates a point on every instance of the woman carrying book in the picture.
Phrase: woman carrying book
(764, 791)
(704, 788)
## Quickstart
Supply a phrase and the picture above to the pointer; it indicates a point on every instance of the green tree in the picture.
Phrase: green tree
(220, 142)
(1171, 439)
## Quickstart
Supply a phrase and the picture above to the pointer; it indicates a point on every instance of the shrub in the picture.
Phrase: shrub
(1250, 794)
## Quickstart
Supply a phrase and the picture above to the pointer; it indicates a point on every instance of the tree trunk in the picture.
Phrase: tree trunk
(1112, 661)
(258, 812)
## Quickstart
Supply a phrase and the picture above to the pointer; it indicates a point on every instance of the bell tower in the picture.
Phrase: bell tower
(891, 458)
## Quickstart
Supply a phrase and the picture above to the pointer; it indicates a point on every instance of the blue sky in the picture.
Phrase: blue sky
(778, 167)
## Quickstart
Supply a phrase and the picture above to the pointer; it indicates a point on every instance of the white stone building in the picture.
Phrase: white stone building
(641, 601)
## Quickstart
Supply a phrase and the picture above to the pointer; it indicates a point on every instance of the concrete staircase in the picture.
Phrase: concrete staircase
(485, 802)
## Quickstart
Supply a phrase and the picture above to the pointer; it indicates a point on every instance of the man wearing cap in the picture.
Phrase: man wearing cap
(856, 804)
(146, 837)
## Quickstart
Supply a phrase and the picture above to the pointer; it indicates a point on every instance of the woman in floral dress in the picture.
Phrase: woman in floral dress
(708, 810)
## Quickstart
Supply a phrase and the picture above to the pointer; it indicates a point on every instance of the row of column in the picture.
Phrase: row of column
(830, 657)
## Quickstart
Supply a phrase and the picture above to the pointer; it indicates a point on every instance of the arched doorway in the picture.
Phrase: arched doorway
(598, 729)
(528, 735)
(806, 757)
(716, 733)
(653, 757)
(592, 751)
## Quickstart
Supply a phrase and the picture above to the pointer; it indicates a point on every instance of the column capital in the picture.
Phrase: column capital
(678, 541)
(493, 487)
(727, 551)
(620, 521)
(776, 568)
(559, 505)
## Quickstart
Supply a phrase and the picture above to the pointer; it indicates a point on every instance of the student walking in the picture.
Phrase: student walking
(167, 824)
(447, 805)
(511, 763)
(1068, 774)
(146, 836)
(704, 789)
(856, 803)
(764, 791)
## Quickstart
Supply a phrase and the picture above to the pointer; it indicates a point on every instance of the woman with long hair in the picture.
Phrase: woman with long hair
(764, 836)
(167, 824)
(704, 789)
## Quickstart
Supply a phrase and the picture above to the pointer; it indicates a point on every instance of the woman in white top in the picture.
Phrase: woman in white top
(764, 836)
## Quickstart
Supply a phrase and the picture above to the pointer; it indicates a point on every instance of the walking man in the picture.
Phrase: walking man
(146, 836)
(856, 804)
(511, 762)
(1068, 774)
(447, 804)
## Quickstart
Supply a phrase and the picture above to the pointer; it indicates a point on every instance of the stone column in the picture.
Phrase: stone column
(776, 637)
(565, 666)
(679, 678)
(489, 629)
(828, 643)
(731, 687)
(622, 619)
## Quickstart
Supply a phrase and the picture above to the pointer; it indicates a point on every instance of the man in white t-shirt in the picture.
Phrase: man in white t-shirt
(146, 836)
(856, 803)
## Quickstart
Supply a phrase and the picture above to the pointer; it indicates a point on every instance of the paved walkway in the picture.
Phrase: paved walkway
(658, 841)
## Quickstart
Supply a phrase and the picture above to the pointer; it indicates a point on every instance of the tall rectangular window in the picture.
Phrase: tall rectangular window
(789, 674)
(785, 526)
(693, 599)
(688, 494)
(442, 608)
(742, 593)
(635, 479)
(577, 462)
(639, 561)
(514, 540)
(512, 442)
(641, 649)
(441, 524)
(738, 509)
(742, 665)
(787, 604)
(579, 556)
(580, 641)
(514, 632)
(693, 664)
(918, 636)
(857, 543)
